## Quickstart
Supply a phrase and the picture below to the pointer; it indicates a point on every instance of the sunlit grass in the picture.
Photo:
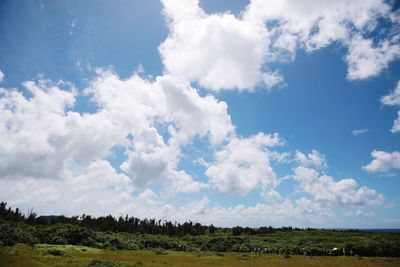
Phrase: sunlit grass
(69, 255)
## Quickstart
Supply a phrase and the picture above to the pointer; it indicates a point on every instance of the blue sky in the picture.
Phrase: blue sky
(225, 112)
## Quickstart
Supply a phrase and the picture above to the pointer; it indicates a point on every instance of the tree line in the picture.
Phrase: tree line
(108, 232)
(132, 224)
(128, 224)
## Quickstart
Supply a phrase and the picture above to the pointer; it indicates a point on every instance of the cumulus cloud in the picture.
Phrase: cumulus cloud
(136, 104)
(317, 24)
(273, 79)
(139, 106)
(50, 196)
(313, 159)
(243, 165)
(325, 189)
(100, 190)
(33, 192)
(151, 160)
(1, 76)
(99, 175)
(367, 60)
(218, 51)
(194, 115)
(43, 137)
(393, 98)
(383, 161)
(40, 134)
(110, 195)
(30, 128)
(224, 51)
(150, 157)
(396, 124)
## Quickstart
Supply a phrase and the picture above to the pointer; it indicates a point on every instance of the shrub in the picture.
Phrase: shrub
(56, 252)
(13, 233)
(67, 234)
(103, 263)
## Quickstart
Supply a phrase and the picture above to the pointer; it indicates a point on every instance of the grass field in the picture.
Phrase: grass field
(68, 255)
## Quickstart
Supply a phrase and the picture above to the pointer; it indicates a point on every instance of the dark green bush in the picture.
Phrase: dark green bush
(56, 252)
(103, 263)
(13, 233)
(65, 234)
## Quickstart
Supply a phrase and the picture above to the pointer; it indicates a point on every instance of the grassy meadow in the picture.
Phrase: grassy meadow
(22, 255)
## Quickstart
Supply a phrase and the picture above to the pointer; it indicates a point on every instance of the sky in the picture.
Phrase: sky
(251, 113)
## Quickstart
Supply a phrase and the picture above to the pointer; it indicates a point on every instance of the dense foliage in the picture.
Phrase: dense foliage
(133, 233)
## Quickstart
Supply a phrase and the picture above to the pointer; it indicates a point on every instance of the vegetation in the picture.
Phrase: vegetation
(129, 233)
(38, 255)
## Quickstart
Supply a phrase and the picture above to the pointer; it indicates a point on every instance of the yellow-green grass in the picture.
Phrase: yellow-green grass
(68, 255)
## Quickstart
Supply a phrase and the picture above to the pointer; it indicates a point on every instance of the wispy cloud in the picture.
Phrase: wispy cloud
(359, 132)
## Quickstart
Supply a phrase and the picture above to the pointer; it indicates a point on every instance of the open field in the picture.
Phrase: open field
(69, 255)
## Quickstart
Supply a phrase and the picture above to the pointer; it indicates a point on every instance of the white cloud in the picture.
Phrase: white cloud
(359, 132)
(271, 195)
(132, 104)
(150, 157)
(393, 98)
(151, 160)
(325, 189)
(195, 115)
(273, 79)
(286, 212)
(1, 76)
(383, 161)
(313, 159)
(99, 175)
(219, 51)
(223, 51)
(29, 130)
(56, 197)
(396, 124)
(243, 165)
(42, 137)
(113, 195)
(34, 192)
(367, 60)
(138, 106)
(316, 24)
(196, 208)
(362, 213)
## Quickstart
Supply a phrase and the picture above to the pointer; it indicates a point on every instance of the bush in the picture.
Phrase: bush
(13, 233)
(103, 263)
(56, 252)
(67, 234)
